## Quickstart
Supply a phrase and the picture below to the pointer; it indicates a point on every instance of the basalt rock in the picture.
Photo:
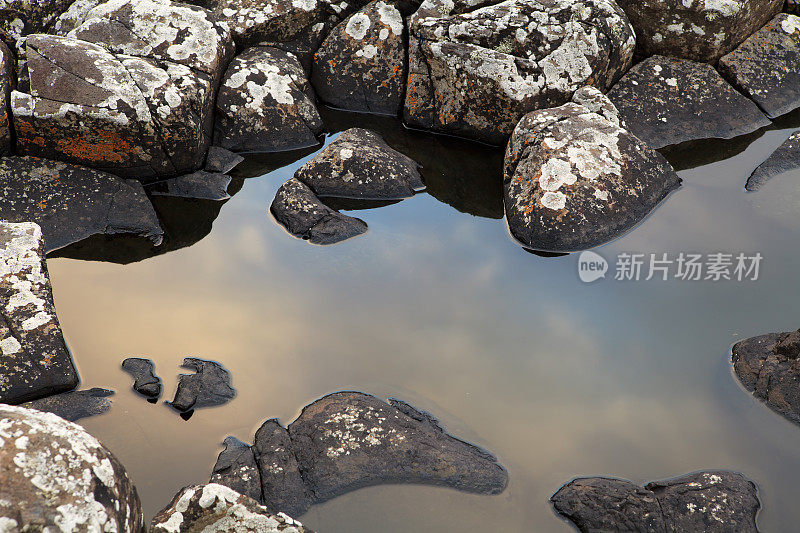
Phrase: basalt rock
(266, 104)
(55, 477)
(209, 386)
(74, 405)
(35, 361)
(575, 179)
(701, 30)
(784, 159)
(360, 165)
(236, 468)
(71, 202)
(145, 381)
(282, 484)
(476, 68)
(221, 160)
(361, 66)
(201, 185)
(23, 17)
(7, 82)
(716, 502)
(306, 44)
(667, 101)
(792, 6)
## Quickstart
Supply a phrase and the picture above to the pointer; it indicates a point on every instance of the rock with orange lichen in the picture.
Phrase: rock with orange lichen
(7, 81)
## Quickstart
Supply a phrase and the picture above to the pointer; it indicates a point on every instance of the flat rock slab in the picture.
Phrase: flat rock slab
(35, 360)
(766, 67)
(200, 185)
(74, 405)
(71, 202)
(303, 214)
(784, 159)
(221, 160)
(476, 68)
(668, 101)
(209, 386)
(574, 179)
(236, 468)
(360, 165)
(717, 502)
(146, 382)
(7, 82)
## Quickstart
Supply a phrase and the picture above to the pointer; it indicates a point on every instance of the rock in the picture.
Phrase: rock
(667, 101)
(792, 6)
(298, 209)
(574, 179)
(265, 104)
(306, 44)
(476, 68)
(209, 386)
(236, 468)
(765, 66)
(35, 360)
(784, 159)
(360, 165)
(23, 17)
(201, 185)
(215, 508)
(282, 484)
(7, 81)
(693, 29)
(221, 160)
(715, 502)
(55, 477)
(145, 380)
(362, 64)
(71, 202)
(74, 405)
(74, 16)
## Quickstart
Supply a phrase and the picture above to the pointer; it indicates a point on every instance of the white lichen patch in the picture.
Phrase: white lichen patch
(355, 427)
(357, 26)
(791, 24)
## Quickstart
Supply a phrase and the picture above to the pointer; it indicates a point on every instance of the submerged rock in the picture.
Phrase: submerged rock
(71, 202)
(667, 101)
(784, 159)
(209, 386)
(476, 68)
(74, 405)
(55, 477)
(301, 212)
(715, 502)
(35, 361)
(23, 17)
(236, 468)
(574, 179)
(145, 380)
(766, 67)
(360, 165)
(7, 81)
(215, 508)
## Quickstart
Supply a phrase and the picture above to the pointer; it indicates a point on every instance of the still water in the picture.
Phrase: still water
(437, 305)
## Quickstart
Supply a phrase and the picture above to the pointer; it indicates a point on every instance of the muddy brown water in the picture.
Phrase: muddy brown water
(438, 306)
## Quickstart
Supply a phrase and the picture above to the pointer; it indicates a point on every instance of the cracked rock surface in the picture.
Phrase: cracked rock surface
(784, 159)
(209, 386)
(74, 405)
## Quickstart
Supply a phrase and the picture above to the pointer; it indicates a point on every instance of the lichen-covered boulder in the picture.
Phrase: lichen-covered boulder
(7, 82)
(74, 405)
(215, 508)
(55, 477)
(766, 67)
(34, 360)
(667, 101)
(301, 212)
(23, 17)
(476, 68)
(574, 179)
(784, 159)
(306, 44)
(702, 30)
(361, 66)
(360, 165)
(716, 502)
(266, 104)
(236, 468)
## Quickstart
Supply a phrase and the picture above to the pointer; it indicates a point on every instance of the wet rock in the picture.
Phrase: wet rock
(766, 67)
(143, 372)
(201, 185)
(784, 159)
(215, 508)
(56, 477)
(301, 212)
(236, 468)
(360, 165)
(74, 405)
(221, 160)
(667, 101)
(23, 17)
(71, 202)
(699, 30)
(703, 501)
(209, 386)
(266, 104)
(361, 66)
(35, 361)
(575, 179)
(476, 68)
(7, 81)
(282, 484)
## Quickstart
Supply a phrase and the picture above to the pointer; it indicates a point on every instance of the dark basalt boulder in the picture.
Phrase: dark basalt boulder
(667, 101)
(282, 484)
(266, 104)
(362, 64)
(145, 381)
(215, 508)
(301, 212)
(7, 82)
(306, 44)
(221, 160)
(74, 405)
(715, 502)
(209, 386)
(201, 185)
(71, 202)
(56, 477)
(476, 68)
(360, 165)
(784, 159)
(574, 179)
(34, 359)
(236, 468)
(766, 67)
(23, 17)
(699, 30)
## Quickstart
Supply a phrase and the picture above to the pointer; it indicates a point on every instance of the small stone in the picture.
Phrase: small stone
(209, 386)
(145, 381)
(200, 185)
(236, 468)
(74, 405)
(784, 159)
